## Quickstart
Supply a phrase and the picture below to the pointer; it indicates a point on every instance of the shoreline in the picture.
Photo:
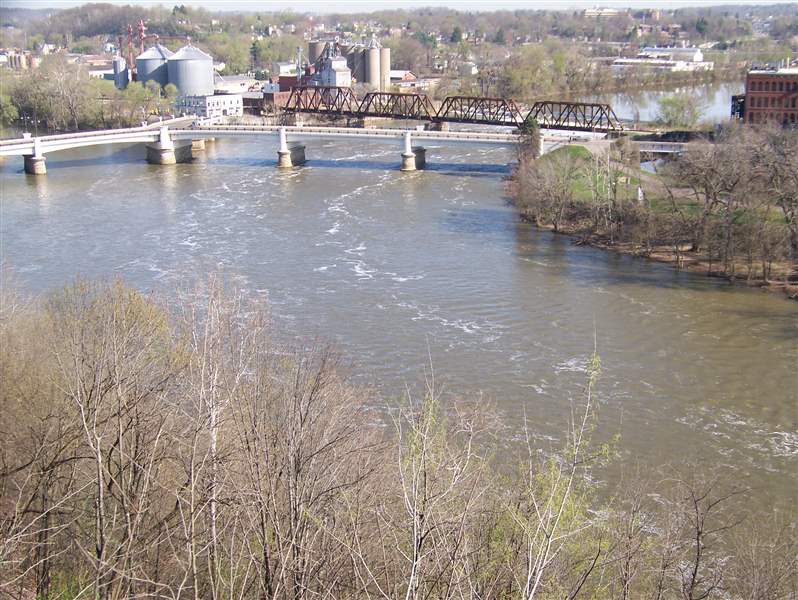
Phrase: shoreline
(696, 264)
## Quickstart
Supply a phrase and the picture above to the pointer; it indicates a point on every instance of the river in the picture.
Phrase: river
(402, 269)
(713, 100)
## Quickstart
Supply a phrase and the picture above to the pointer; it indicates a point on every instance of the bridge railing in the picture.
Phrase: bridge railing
(80, 134)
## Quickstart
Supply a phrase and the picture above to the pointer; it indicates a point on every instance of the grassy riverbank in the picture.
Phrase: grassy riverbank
(726, 209)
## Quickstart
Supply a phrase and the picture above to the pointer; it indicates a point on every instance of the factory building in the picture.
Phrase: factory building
(771, 96)
(369, 64)
(333, 71)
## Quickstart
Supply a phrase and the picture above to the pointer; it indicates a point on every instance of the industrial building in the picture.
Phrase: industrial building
(151, 65)
(219, 105)
(666, 59)
(771, 96)
(369, 64)
(333, 70)
(190, 70)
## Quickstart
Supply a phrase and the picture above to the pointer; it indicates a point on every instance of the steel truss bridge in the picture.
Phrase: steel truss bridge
(342, 102)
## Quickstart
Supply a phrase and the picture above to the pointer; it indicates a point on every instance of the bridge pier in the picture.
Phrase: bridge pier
(414, 158)
(289, 156)
(437, 126)
(35, 163)
(166, 152)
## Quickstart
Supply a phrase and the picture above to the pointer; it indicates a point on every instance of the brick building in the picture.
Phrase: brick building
(772, 96)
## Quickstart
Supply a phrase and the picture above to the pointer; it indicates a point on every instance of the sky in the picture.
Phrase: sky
(327, 6)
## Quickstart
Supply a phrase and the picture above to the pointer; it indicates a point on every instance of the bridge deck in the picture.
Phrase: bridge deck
(55, 143)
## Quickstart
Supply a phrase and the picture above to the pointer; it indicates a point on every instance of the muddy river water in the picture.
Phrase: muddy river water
(402, 269)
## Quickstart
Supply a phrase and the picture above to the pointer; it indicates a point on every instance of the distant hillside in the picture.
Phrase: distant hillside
(19, 17)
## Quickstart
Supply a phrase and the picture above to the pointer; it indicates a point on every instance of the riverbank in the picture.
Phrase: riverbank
(680, 259)
(700, 215)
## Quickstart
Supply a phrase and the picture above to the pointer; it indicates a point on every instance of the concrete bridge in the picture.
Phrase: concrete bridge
(170, 145)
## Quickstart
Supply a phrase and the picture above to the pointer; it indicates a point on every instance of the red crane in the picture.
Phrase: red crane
(143, 36)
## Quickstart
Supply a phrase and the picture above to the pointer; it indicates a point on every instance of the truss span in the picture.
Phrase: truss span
(397, 106)
(322, 100)
(483, 111)
(575, 116)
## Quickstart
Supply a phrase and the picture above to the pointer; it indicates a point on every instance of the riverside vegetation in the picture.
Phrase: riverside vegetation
(59, 96)
(728, 208)
(179, 450)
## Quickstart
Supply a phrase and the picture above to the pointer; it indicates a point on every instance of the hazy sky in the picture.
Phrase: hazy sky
(326, 6)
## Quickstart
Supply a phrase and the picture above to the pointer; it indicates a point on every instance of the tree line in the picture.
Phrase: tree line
(180, 450)
(731, 203)
(62, 96)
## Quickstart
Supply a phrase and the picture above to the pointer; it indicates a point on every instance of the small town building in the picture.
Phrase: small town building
(771, 96)
(403, 78)
(217, 105)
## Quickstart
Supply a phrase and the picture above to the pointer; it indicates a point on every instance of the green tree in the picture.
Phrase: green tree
(500, 37)
(457, 35)
(679, 110)
(8, 112)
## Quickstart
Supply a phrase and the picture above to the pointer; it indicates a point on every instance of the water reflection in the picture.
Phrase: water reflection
(643, 105)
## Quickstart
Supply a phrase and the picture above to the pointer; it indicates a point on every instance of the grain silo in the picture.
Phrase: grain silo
(315, 49)
(385, 69)
(121, 75)
(358, 64)
(151, 65)
(372, 53)
(191, 70)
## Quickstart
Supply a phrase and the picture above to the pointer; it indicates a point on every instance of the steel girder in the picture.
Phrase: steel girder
(317, 99)
(400, 106)
(486, 111)
(578, 116)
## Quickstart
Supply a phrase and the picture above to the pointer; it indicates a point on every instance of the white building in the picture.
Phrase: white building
(666, 59)
(218, 105)
(333, 72)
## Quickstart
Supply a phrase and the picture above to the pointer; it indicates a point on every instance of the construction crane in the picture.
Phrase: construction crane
(143, 36)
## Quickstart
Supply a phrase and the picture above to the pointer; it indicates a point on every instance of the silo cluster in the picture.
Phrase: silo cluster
(151, 65)
(370, 63)
(189, 69)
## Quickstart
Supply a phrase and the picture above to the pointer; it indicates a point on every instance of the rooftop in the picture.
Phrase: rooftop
(782, 71)
(156, 51)
(190, 53)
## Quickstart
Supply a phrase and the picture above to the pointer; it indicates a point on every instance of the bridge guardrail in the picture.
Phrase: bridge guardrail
(385, 132)
(98, 132)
